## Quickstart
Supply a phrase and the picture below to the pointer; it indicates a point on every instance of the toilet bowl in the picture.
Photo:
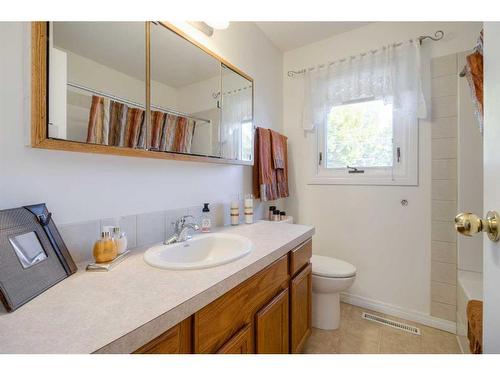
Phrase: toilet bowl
(330, 276)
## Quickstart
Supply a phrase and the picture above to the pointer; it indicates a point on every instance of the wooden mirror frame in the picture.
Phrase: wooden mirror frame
(39, 101)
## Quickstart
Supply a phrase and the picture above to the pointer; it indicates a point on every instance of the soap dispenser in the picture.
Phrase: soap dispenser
(206, 222)
(105, 249)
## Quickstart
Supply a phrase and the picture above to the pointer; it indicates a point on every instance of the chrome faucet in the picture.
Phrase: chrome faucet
(182, 228)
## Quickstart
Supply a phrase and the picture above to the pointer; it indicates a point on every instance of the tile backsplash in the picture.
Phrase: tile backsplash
(142, 229)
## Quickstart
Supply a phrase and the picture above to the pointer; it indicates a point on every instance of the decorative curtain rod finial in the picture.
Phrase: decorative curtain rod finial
(438, 35)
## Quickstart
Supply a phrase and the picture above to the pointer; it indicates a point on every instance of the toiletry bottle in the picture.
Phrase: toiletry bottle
(206, 222)
(105, 249)
(249, 209)
(276, 215)
(235, 213)
(282, 215)
(120, 239)
(271, 212)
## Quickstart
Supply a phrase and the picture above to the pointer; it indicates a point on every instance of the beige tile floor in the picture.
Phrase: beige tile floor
(357, 335)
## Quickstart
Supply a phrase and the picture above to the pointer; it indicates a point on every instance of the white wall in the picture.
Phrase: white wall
(79, 187)
(367, 225)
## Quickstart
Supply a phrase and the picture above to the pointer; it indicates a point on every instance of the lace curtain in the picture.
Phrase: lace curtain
(236, 109)
(391, 74)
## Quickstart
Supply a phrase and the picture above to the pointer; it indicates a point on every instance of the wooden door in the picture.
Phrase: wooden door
(272, 327)
(300, 309)
(240, 343)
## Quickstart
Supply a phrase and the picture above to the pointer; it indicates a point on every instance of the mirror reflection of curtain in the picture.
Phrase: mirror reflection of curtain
(236, 110)
(115, 124)
(98, 129)
(176, 133)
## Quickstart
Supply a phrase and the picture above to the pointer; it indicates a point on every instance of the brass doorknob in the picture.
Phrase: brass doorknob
(468, 224)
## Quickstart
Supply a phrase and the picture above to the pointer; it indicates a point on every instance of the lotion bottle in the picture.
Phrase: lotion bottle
(206, 222)
(120, 239)
(249, 209)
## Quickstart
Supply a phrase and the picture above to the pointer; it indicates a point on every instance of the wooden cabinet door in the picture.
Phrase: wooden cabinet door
(272, 327)
(300, 309)
(219, 321)
(240, 343)
(177, 340)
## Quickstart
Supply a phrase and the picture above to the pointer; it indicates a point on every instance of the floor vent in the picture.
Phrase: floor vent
(391, 323)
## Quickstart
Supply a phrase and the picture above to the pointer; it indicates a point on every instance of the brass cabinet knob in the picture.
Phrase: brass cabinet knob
(468, 224)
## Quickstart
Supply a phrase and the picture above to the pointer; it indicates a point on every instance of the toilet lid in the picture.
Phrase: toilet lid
(331, 267)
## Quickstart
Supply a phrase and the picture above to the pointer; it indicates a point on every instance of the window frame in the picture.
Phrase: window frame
(402, 173)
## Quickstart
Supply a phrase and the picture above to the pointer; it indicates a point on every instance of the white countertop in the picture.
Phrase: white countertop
(121, 310)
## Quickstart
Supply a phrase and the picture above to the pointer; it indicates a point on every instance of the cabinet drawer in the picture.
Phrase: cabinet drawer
(220, 320)
(177, 340)
(300, 256)
(240, 343)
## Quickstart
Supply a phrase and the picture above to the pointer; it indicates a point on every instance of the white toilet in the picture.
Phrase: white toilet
(330, 276)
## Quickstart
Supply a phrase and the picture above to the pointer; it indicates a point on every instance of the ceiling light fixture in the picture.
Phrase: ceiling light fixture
(218, 25)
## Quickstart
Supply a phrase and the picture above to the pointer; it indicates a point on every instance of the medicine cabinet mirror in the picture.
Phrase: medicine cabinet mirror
(137, 89)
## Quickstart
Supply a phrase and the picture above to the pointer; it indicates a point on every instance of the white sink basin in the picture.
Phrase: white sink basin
(202, 251)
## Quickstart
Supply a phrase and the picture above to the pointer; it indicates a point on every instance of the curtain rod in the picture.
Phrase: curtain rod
(438, 35)
(215, 95)
(134, 104)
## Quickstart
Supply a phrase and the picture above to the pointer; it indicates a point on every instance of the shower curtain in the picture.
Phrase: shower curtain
(236, 109)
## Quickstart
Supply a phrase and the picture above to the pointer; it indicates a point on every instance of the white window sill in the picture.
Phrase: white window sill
(363, 180)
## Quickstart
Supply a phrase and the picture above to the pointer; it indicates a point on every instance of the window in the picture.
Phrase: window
(364, 112)
(367, 142)
(359, 135)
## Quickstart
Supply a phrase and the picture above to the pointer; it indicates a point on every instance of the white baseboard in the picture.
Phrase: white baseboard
(399, 312)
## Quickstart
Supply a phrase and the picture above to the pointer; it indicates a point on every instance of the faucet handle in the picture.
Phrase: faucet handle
(179, 223)
(182, 219)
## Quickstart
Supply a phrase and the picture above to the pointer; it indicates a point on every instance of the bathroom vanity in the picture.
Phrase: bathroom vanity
(260, 303)
(268, 313)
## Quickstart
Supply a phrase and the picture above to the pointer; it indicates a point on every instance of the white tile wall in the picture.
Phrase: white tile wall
(444, 148)
(443, 311)
(443, 169)
(445, 252)
(444, 106)
(444, 127)
(443, 231)
(444, 86)
(444, 102)
(141, 230)
(444, 293)
(443, 210)
(151, 228)
(444, 190)
(445, 65)
(80, 238)
(444, 272)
